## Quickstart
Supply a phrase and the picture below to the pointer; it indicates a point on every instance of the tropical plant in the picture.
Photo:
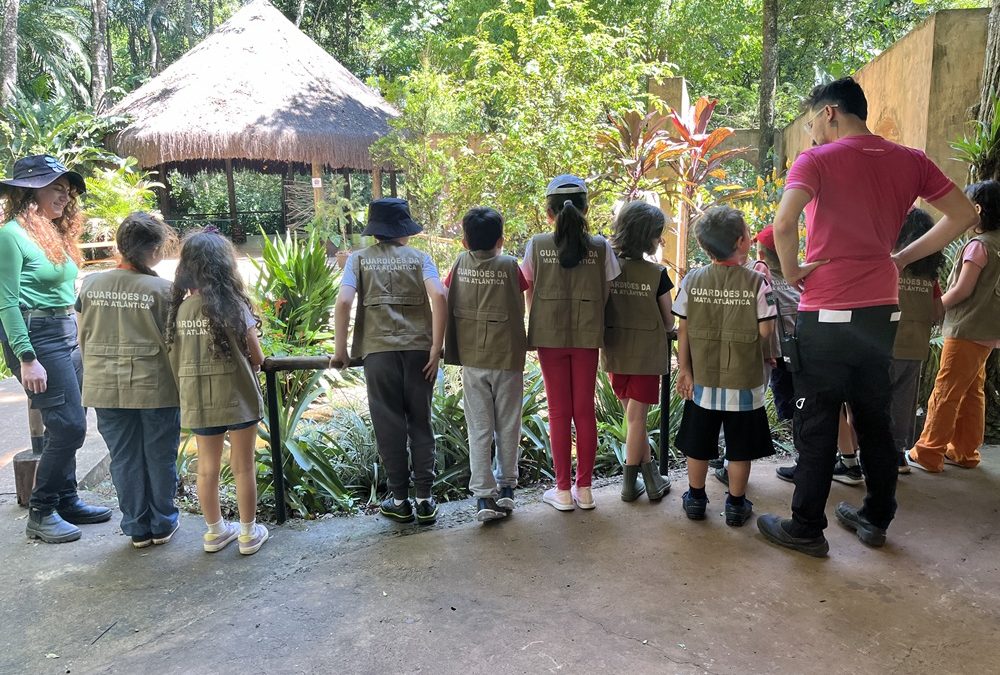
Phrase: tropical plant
(333, 214)
(112, 194)
(634, 144)
(980, 148)
(52, 51)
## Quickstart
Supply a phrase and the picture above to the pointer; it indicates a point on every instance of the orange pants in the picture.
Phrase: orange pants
(956, 411)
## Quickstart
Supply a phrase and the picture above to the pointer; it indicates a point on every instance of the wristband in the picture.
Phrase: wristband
(27, 357)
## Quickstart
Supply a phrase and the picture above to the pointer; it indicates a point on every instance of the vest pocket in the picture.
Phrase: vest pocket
(124, 366)
(489, 327)
(587, 315)
(208, 386)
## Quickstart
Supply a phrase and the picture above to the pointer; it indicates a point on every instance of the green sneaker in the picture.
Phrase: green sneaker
(401, 513)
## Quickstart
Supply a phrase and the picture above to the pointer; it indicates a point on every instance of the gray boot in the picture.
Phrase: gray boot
(50, 528)
(656, 485)
(632, 487)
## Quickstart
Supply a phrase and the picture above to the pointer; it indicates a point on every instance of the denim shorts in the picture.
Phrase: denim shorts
(215, 431)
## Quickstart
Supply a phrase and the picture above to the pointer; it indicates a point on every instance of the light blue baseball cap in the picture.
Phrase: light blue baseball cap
(566, 184)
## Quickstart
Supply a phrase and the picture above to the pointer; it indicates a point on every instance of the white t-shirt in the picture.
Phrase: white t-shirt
(721, 398)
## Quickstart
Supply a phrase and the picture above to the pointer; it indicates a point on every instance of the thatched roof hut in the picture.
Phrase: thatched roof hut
(259, 89)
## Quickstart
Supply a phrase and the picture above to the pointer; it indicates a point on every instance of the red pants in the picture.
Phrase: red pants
(570, 376)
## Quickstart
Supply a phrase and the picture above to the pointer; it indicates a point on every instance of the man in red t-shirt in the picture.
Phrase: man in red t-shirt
(855, 188)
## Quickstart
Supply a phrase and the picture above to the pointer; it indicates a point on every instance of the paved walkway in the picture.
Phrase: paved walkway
(628, 587)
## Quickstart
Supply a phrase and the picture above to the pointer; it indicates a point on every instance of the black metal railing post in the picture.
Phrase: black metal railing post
(665, 393)
(274, 430)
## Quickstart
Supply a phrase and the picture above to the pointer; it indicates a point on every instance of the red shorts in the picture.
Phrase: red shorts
(641, 388)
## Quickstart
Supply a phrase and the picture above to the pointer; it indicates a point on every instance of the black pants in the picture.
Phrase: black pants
(843, 362)
(54, 340)
(399, 398)
(783, 390)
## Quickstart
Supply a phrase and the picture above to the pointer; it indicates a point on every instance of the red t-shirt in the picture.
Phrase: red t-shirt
(861, 189)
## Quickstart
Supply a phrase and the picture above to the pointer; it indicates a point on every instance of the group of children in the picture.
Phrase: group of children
(161, 356)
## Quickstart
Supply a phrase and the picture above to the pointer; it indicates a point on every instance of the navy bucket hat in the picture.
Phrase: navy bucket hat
(38, 171)
(390, 218)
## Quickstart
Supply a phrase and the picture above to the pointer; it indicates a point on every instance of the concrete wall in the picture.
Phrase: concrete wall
(920, 89)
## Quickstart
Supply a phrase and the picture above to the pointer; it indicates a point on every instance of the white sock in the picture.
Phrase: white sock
(217, 528)
(398, 502)
(423, 499)
(850, 460)
(246, 529)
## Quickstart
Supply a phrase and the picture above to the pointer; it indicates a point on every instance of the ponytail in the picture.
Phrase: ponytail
(571, 232)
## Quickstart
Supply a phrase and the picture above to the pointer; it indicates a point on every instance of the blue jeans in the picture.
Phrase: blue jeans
(143, 445)
(55, 344)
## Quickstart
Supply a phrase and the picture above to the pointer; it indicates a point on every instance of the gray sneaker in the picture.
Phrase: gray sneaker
(251, 543)
(213, 543)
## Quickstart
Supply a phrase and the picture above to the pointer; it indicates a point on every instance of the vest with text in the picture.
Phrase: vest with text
(567, 306)
(125, 358)
(485, 313)
(916, 317)
(635, 338)
(722, 326)
(978, 316)
(393, 311)
(215, 391)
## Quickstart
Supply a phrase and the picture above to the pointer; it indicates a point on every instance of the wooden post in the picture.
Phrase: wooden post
(377, 183)
(238, 235)
(36, 428)
(25, 465)
(392, 184)
(347, 195)
(317, 173)
(163, 193)
(286, 176)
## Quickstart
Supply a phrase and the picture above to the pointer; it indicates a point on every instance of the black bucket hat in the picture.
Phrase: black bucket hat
(390, 218)
(37, 171)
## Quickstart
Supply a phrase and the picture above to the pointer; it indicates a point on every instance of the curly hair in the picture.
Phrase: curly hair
(638, 227)
(139, 237)
(208, 265)
(57, 238)
(917, 223)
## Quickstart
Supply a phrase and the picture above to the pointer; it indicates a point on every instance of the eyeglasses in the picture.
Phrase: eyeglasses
(808, 125)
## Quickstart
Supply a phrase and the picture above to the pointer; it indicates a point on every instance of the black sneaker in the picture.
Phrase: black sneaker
(401, 513)
(852, 519)
(506, 499)
(694, 507)
(737, 516)
(142, 540)
(786, 473)
(427, 511)
(848, 475)
(773, 529)
(717, 463)
(486, 509)
(722, 473)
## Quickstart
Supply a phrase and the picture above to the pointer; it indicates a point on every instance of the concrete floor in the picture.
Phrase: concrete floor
(626, 587)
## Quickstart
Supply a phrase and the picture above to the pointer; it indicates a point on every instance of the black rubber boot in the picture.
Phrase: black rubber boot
(657, 485)
(50, 528)
(632, 487)
(79, 513)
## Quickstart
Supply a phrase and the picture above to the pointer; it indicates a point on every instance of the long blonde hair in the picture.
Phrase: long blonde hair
(57, 238)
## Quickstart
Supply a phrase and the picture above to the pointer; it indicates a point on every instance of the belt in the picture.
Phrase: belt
(46, 312)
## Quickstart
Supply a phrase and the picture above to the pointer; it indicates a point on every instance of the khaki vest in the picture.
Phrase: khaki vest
(635, 339)
(485, 313)
(978, 316)
(722, 326)
(214, 391)
(125, 359)
(567, 305)
(393, 312)
(916, 307)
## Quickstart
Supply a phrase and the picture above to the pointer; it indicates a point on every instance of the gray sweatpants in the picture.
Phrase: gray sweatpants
(399, 398)
(493, 411)
(904, 377)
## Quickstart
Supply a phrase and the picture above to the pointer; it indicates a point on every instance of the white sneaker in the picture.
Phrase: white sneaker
(216, 542)
(251, 543)
(560, 500)
(584, 497)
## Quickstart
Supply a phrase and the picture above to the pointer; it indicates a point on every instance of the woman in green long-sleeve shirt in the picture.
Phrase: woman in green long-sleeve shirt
(38, 269)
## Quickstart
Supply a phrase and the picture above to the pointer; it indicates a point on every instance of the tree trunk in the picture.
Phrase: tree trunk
(189, 23)
(300, 13)
(211, 16)
(768, 86)
(991, 86)
(8, 51)
(99, 63)
(154, 39)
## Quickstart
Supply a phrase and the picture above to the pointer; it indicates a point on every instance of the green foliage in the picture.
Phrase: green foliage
(52, 55)
(56, 128)
(980, 148)
(203, 199)
(112, 194)
(329, 224)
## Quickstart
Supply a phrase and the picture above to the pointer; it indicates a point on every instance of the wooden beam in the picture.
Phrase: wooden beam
(163, 193)
(377, 183)
(238, 235)
(346, 173)
(317, 177)
(392, 184)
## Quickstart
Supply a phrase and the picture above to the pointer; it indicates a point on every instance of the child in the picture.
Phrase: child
(920, 308)
(568, 271)
(398, 331)
(636, 351)
(956, 411)
(726, 314)
(128, 380)
(786, 298)
(485, 336)
(216, 354)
